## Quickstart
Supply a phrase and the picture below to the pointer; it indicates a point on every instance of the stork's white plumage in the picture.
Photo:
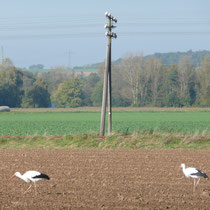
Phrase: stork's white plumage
(31, 177)
(193, 173)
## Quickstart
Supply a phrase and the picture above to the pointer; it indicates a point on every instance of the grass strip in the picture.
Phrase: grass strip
(115, 141)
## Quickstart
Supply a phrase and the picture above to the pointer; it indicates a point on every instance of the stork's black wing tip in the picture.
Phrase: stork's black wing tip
(201, 174)
(47, 177)
(42, 176)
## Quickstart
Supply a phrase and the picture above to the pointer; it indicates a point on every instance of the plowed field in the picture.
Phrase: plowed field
(104, 179)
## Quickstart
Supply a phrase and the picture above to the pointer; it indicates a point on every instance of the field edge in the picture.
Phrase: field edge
(115, 141)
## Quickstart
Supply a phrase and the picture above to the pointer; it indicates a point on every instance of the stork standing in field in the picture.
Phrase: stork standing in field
(193, 173)
(31, 177)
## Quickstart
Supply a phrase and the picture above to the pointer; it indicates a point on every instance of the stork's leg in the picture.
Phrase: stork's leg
(35, 188)
(27, 189)
(197, 182)
(194, 186)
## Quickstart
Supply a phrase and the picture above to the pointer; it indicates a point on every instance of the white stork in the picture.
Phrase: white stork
(31, 177)
(193, 173)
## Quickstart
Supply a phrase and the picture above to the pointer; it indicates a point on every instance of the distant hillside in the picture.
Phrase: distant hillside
(173, 57)
(167, 59)
(87, 68)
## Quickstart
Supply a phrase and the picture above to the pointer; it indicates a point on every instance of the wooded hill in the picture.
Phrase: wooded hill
(136, 81)
(166, 58)
(173, 57)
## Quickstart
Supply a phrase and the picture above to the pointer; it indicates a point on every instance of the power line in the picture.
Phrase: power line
(95, 35)
(154, 33)
(87, 19)
(128, 27)
(146, 21)
(51, 36)
(83, 26)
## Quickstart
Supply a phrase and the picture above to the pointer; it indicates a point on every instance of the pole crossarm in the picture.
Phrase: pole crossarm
(109, 16)
(111, 34)
(107, 90)
(109, 27)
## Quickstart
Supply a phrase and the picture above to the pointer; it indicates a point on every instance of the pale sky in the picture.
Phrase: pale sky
(45, 31)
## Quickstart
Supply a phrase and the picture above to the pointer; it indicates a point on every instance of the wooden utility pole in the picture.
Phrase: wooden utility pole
(107, 78)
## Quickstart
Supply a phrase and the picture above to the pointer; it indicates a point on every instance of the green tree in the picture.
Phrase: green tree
(56, 76)
(89, 84)
(69, 93)
(38, 96)
(11, 82)
(96, 96)
(153, 80)
(172, 88)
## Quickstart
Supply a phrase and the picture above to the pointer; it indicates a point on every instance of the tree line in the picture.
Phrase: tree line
(136, 81)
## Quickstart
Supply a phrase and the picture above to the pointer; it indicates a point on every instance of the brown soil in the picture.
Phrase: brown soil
(104, 179)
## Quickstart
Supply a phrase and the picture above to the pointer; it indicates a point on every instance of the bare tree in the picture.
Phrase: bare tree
(131, 69)
(203, 77)
(6, 64)
(185, 71)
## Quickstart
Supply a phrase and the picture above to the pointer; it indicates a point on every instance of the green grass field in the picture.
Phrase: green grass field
(60, 123)
(132, 129)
